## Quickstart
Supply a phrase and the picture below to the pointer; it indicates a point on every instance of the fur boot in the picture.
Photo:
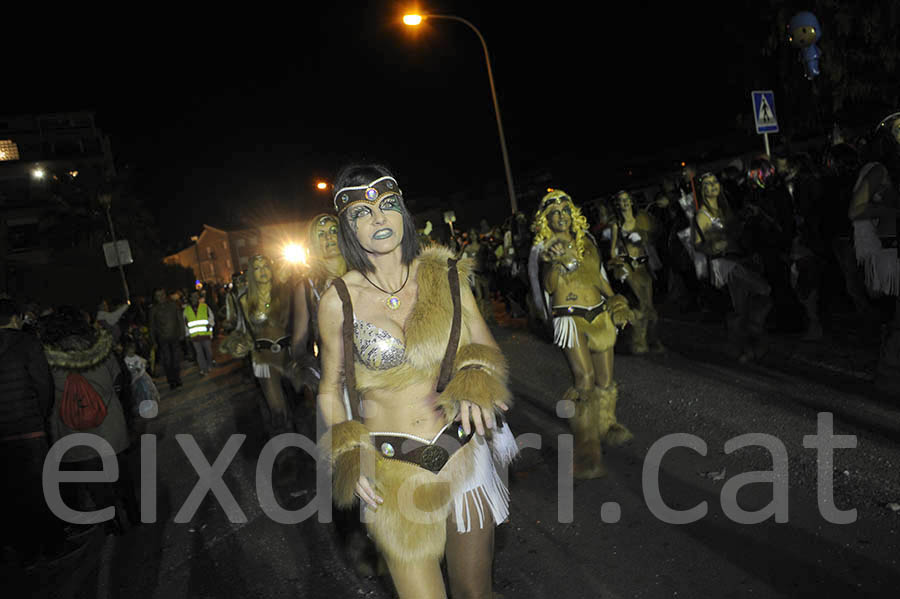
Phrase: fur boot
(639, 334)
(615, 433)
(589, 426)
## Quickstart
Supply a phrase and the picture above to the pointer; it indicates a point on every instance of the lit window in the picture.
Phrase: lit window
(8, 150)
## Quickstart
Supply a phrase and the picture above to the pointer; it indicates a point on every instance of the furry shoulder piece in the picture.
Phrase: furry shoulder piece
(79, 353)
(427, 328)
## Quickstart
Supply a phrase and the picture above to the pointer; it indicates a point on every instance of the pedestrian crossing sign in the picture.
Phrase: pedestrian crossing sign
(764, 111)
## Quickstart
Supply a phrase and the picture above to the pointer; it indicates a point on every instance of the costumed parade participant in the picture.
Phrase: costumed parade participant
(874, 210)
(631, 263)
(586, 314)
(716, 237)
(404, 334)
(262, 331)
(325, 264)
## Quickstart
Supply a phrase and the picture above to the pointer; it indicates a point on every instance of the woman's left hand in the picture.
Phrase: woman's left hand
(470, 413)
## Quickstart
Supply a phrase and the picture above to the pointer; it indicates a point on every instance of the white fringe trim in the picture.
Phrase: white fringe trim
(881, 265)
(503, 446)
(261, 371)
(565, 334)
(720, 270)
(484, 486)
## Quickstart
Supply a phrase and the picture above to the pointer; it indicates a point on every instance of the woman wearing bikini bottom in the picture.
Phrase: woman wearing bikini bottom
(417, 435)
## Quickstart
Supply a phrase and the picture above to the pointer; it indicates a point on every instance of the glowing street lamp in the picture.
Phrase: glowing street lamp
(38, 173)
(294, 253)
(322, 185)
(414, 20)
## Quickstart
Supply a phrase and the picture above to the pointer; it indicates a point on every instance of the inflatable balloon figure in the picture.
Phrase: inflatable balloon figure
(803, 33)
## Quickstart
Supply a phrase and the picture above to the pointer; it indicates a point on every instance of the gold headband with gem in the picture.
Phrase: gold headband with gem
(371, 193)
(554, 196)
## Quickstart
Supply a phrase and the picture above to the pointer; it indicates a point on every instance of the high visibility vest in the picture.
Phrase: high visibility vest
(198, 324)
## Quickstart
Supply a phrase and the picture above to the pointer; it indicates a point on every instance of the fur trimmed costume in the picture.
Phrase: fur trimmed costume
(411, 523)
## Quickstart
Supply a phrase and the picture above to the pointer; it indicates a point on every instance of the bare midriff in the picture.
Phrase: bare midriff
(579, 289)
(410, 410)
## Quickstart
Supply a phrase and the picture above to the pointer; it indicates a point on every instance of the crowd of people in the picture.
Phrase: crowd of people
(388, 330)
(66, 370)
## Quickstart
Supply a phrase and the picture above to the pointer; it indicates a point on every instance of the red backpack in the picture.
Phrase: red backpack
(81, 407)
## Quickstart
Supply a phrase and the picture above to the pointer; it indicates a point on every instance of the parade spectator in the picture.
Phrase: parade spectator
(25, 400)
(143, 391)
(85, 370)
(199, 322)
(167, 330)
(110, 318)
(769, 232)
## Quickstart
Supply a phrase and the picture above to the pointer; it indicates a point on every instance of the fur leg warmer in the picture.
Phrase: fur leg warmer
(480, 375)
(615, 433)
(345, 448)
(589, 425)
(639, 333)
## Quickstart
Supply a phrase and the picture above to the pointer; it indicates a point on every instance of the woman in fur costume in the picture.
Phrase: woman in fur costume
(631, 263)
(262, 331)
(325, 264)
(420, 458)
(586, 314)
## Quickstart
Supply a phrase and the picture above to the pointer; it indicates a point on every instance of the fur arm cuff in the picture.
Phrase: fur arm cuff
(344, 447)
(480, 378)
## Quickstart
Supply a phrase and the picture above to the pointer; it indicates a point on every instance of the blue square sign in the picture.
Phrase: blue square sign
(764, 111)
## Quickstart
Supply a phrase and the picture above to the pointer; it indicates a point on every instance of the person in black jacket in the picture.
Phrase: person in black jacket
(167, 330)
(25, 402)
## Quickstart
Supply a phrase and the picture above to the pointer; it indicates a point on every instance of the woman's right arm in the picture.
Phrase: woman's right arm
(331, 403)
(331, 354)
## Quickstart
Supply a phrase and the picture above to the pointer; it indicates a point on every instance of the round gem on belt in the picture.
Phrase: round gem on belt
(387, 449)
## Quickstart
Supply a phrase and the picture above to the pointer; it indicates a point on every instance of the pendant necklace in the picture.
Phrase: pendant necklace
(392, 302)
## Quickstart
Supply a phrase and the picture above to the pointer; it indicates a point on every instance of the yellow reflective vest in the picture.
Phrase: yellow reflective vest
(197, 323)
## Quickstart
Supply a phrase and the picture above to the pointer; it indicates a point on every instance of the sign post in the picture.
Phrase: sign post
(764, 115)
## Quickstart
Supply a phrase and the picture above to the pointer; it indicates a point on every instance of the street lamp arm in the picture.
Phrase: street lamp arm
(487, 61)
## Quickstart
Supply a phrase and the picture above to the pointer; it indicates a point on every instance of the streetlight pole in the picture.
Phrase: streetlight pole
(106, 201)
(487, 60)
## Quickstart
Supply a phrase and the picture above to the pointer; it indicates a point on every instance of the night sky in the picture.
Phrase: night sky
(231, 114)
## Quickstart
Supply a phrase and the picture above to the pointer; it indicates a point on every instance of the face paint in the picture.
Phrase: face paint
(391, 203)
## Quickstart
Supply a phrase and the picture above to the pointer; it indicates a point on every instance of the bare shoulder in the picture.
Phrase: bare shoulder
(330, 307)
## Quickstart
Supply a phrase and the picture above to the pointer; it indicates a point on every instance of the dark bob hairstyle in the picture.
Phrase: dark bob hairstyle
(354, 254)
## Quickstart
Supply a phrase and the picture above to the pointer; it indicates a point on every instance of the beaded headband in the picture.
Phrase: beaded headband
(371, 193)
(887, 120)
(557, 196)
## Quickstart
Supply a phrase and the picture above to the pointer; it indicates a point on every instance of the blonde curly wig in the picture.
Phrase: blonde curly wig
(541, 227)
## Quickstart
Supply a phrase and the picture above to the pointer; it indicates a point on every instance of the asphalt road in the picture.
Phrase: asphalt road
(547, 549)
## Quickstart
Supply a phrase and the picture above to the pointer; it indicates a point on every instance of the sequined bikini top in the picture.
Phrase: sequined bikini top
(376, 348)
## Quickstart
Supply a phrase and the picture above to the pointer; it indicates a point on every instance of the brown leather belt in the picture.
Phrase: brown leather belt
(431, 456)
(587, 314)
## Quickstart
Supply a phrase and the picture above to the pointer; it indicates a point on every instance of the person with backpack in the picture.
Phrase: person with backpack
(84, 370)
